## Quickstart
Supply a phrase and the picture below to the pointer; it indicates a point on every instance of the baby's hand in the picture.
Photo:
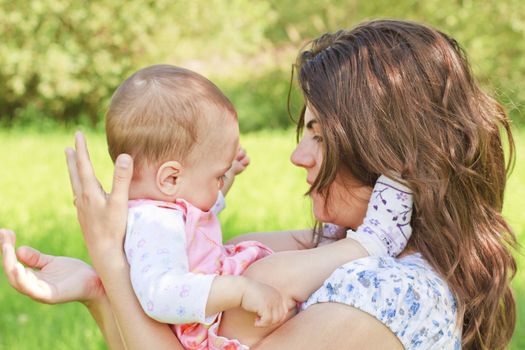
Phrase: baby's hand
(240, 163)
(266, 302)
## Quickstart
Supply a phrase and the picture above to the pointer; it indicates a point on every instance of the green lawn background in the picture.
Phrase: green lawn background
(35, 200)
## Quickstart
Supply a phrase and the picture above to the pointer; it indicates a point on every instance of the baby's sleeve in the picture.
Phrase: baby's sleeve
(155, 247)
(386, 227)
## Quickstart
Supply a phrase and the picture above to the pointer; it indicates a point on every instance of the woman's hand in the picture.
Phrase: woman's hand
(102, 217)
(48, 279)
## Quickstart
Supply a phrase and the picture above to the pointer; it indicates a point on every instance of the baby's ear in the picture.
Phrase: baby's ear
(168, 176)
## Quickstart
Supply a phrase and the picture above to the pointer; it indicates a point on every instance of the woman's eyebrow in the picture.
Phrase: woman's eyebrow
(310, 124)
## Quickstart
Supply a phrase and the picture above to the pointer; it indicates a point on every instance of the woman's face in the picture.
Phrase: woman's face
(348, 199)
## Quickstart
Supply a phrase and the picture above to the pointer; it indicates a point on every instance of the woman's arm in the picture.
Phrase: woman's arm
(138, 330)
(102, 218)
(306, 268)
(331, 326)
(100, 310)
(280, 240)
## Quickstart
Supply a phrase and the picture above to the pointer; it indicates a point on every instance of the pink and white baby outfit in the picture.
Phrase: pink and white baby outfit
(175, 251)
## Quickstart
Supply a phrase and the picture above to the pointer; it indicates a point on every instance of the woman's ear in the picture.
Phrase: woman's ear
(168, 177)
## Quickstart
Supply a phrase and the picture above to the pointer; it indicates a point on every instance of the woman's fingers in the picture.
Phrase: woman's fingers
(7, 236)
(32, 257)
(86, 175)
(121, 180)
(7, 240)
(74, 179)
(24, 280)
(12, 267)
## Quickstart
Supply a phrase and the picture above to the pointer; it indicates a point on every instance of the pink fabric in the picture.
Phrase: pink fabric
(207, 255)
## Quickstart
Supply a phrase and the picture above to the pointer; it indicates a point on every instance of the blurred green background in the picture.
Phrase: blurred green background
(61, 60)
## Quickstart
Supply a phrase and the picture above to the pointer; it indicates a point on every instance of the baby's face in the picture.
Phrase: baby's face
(203, 176)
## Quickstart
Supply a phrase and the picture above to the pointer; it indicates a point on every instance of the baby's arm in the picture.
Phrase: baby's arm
(155, 247)
(169, 293)
(228, 292)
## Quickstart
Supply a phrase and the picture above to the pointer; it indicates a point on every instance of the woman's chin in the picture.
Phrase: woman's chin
(321, 215)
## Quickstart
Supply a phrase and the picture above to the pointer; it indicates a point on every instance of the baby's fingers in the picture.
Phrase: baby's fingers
(272, 315)
(241, 153)
(264, 319)
(278, 314)
(243, 158)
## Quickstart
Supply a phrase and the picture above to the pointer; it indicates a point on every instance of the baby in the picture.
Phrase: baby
(183, 135)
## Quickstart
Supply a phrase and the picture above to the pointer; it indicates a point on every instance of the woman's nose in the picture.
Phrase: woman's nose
(302, 157)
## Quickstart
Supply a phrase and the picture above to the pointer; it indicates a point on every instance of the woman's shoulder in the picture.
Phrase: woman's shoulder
(405, 294)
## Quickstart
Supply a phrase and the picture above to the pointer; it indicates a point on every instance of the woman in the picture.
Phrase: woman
(388, 97)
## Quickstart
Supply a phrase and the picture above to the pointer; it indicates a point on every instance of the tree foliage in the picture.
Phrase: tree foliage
(60, 60)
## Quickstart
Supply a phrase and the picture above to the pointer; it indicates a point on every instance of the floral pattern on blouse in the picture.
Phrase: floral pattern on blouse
(404, 294)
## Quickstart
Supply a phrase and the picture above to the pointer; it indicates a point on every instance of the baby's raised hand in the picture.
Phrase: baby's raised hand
(240, 163)
(266, 302)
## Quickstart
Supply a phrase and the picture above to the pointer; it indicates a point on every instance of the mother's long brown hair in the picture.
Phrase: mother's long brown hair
(396, 97)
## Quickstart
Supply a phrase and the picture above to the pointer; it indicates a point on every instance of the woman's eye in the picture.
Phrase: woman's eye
(317, 138)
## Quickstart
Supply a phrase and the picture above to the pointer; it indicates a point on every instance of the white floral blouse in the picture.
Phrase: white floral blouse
(405, 294)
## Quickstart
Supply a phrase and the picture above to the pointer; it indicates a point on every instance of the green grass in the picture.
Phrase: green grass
(35, 200)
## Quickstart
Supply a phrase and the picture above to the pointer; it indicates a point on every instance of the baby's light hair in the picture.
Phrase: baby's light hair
(162, 112)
